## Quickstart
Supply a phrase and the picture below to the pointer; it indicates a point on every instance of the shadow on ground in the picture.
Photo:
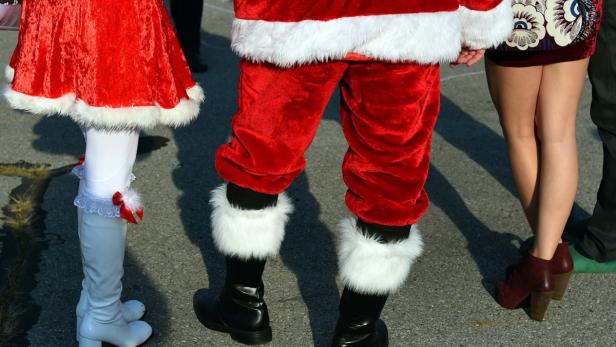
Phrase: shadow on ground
(491, 250)
(61, 136)
(308, 241)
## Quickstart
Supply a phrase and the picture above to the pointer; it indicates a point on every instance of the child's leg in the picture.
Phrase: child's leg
(110, 157)
(108, 169)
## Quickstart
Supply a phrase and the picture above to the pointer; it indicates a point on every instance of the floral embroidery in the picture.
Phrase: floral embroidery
(529, 26)
(546, 24)
(570, 21)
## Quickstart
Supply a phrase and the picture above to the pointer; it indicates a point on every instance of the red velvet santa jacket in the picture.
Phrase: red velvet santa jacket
(293, 32)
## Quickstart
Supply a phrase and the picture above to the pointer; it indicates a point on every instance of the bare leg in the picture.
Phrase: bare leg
(514, 93)
(559, 96)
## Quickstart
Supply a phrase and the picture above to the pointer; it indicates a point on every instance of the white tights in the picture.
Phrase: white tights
(110, 157)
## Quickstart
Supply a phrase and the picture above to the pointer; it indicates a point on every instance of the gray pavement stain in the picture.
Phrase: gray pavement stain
(23, 237)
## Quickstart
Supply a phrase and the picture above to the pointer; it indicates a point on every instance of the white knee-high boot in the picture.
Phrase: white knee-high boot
(132, 310)
(103, 199)
(103, 242)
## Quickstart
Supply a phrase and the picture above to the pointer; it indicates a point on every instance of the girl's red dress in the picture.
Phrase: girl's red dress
(113, 64)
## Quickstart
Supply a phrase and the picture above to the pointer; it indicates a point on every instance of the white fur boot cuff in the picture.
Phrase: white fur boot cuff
(248, 234)
(370, 267)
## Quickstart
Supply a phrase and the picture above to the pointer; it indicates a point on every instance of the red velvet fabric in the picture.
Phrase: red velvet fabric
(110, 54)
(388, 113)
(297, 10)
(480, 5)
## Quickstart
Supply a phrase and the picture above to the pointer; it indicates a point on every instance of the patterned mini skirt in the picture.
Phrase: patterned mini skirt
(550, 31)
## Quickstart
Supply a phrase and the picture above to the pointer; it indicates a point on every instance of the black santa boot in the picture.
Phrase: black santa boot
(374, 262)
(247, 228)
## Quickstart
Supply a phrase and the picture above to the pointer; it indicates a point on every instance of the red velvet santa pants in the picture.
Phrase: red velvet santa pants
(388, 112)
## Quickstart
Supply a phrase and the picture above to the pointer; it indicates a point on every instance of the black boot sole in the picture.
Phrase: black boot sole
(382, 338)
(260, 337)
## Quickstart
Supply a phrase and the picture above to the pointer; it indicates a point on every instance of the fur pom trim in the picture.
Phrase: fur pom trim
(132, 199)
(425, 38)
(112, 118)
(9, 73)
(370, 267)
(248, 234)
(486, 29)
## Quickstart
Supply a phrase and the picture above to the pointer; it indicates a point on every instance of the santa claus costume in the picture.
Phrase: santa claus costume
(114, 67)
(384, 56)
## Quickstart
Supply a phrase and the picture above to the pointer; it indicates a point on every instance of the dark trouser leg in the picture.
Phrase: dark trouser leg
(187, 17)
(599, 242)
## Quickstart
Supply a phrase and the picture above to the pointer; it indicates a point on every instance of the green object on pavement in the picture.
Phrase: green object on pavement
(581, 264)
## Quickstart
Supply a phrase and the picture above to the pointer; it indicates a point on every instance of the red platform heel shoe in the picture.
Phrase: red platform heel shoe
(562, 267)
(532, 277)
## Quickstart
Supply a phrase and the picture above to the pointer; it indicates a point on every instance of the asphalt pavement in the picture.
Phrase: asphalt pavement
(472, 230)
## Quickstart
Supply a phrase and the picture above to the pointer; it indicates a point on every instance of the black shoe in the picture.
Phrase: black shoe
(195, 64)
(240, 309)
(359, 324)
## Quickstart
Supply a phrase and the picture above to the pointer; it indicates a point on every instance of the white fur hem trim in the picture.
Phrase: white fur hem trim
(9, 73)
(486, 29)
(114, 118)
(425, 38)
(370, 267)
(248, 234)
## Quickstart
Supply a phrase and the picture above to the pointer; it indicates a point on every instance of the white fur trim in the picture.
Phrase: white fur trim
(368, 266)
(424, 38)
(248, 234)
(9, 73)
(114, 118)
(132, 199)
(486, 29)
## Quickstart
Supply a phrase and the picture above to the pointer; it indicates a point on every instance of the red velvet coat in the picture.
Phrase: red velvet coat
(293, 32)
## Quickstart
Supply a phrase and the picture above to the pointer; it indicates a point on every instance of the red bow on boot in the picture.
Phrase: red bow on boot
(130, 206)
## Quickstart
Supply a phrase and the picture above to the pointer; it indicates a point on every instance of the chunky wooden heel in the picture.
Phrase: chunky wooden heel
(539, 302)
(532, 277)
(561, 282)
